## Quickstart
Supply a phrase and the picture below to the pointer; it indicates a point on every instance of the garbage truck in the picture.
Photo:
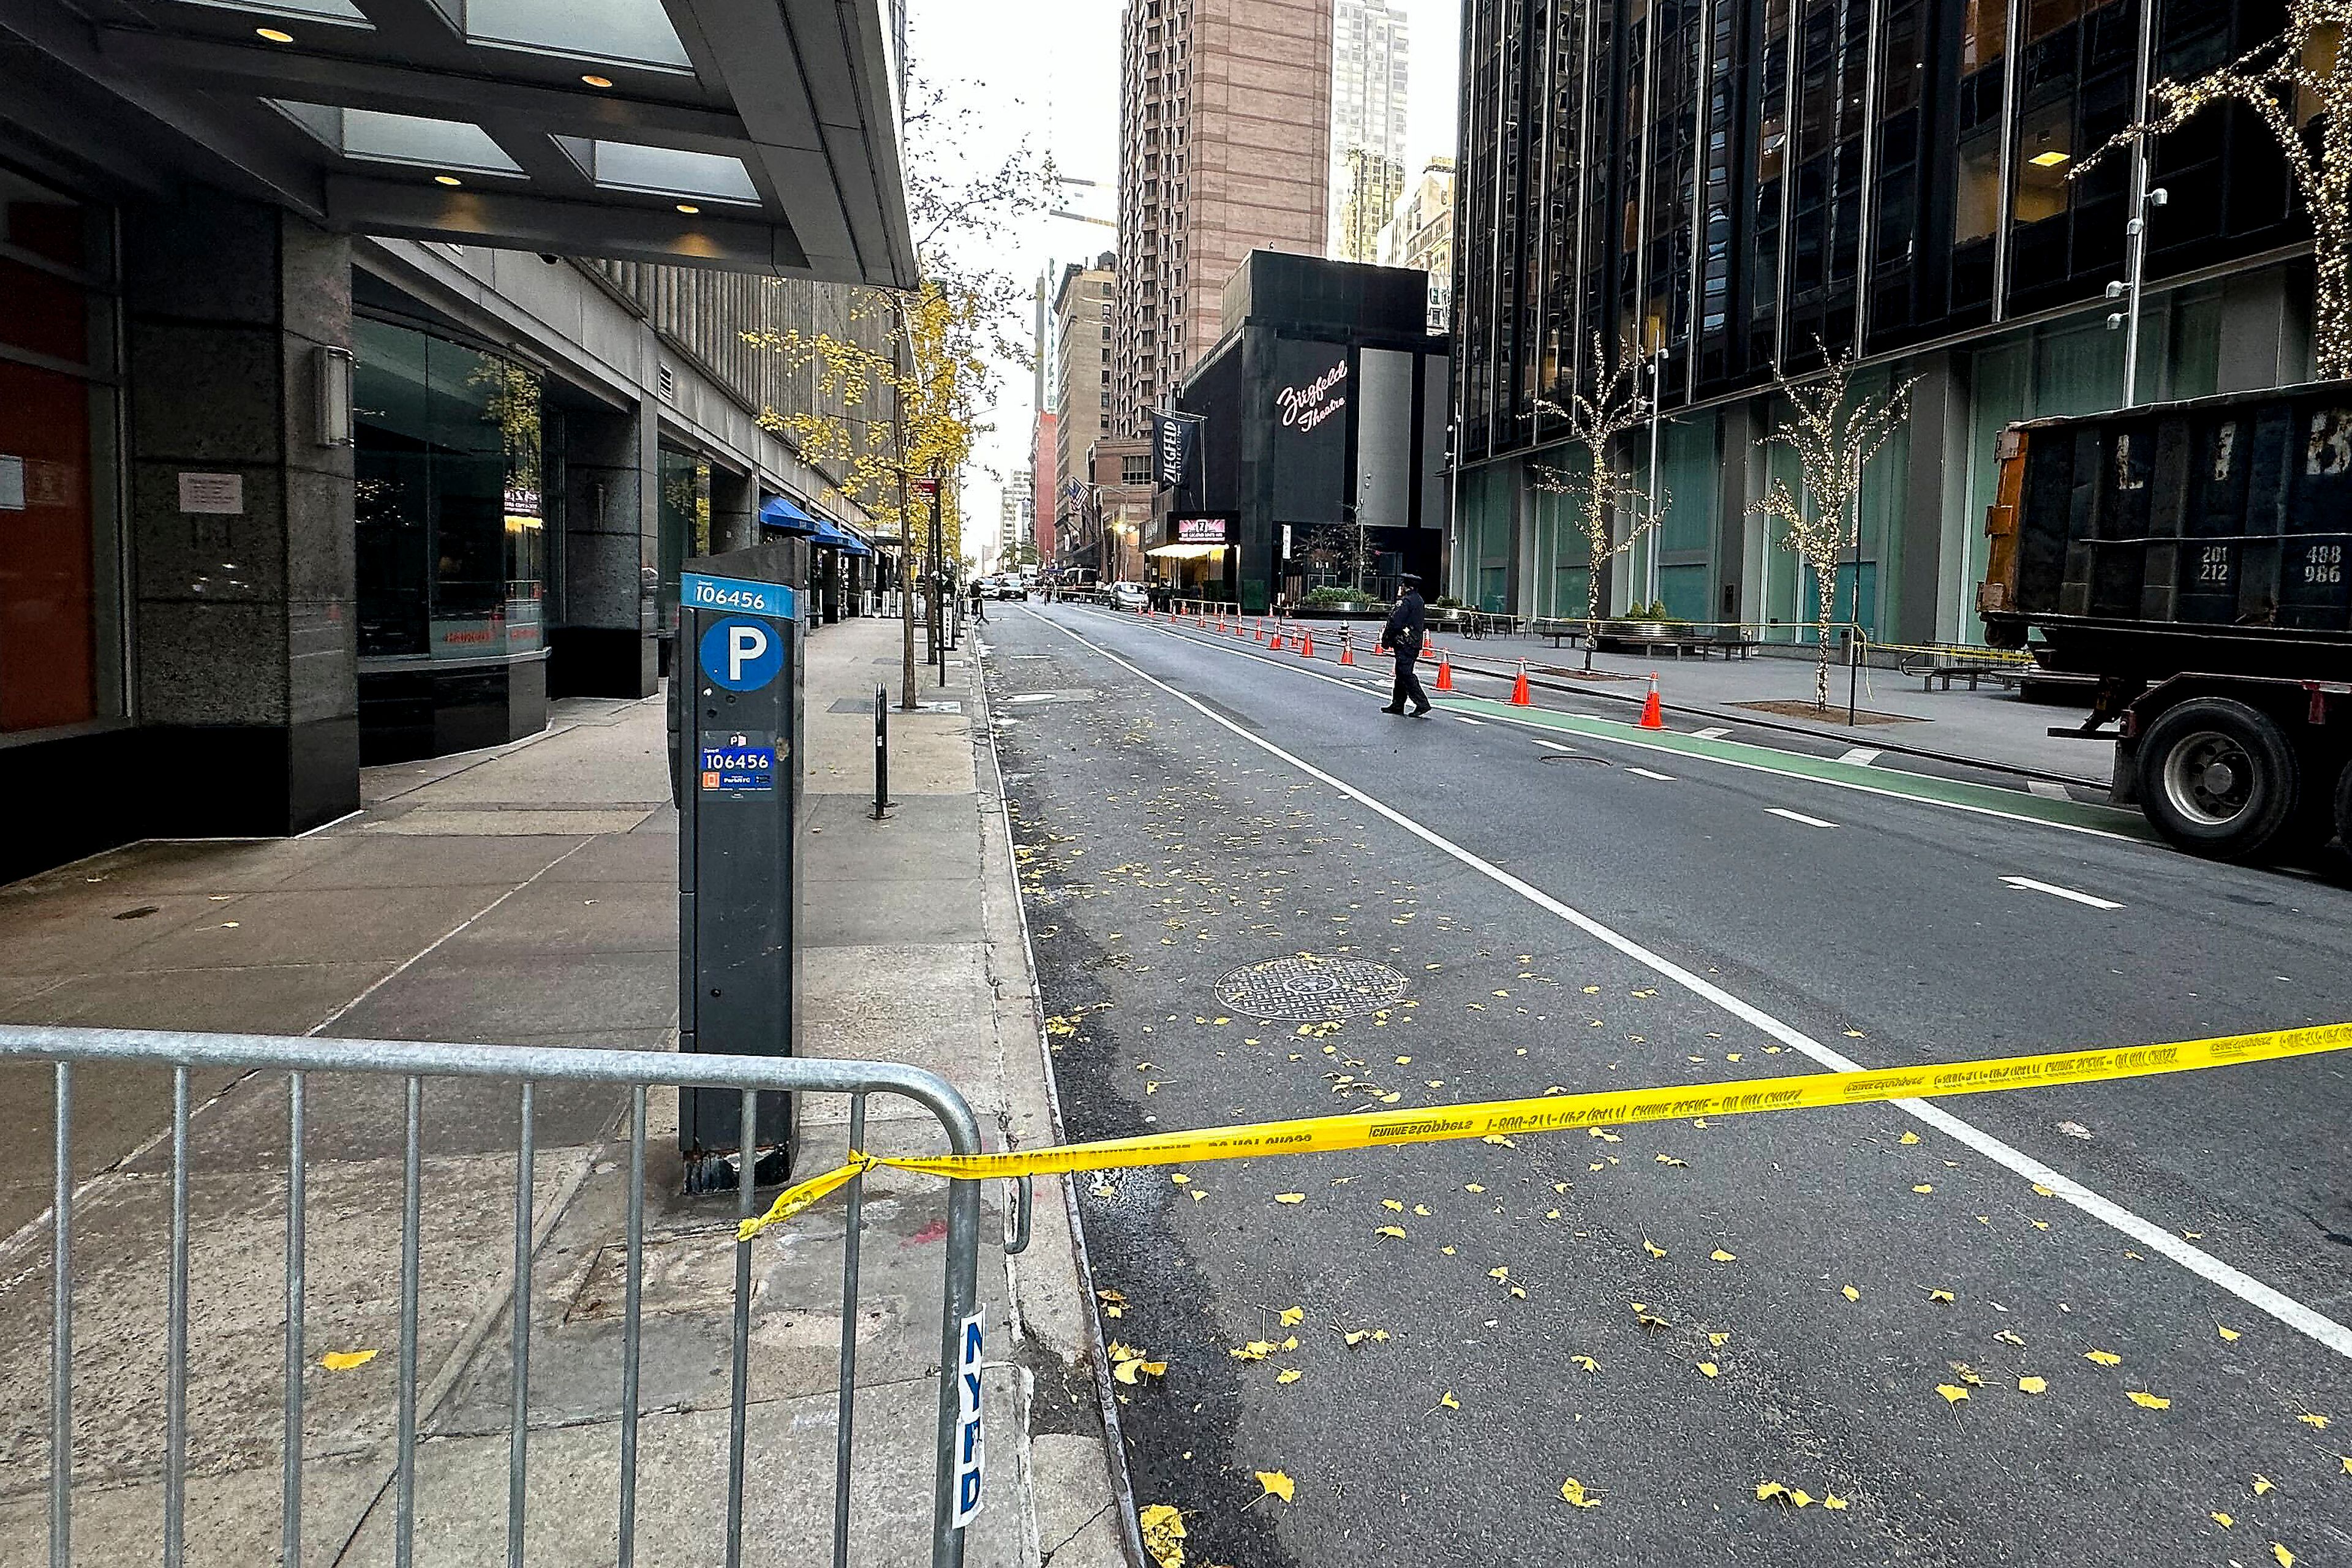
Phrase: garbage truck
(2194, 558)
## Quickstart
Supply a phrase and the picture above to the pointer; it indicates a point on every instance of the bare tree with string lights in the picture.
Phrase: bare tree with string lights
(1594, 421)
(2302, 78)
(1835, 433)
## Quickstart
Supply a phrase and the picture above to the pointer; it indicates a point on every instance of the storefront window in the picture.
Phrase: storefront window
(57, 581)
(451, 536)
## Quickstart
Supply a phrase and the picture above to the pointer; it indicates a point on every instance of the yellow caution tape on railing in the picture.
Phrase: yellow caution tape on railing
(1502, 1119)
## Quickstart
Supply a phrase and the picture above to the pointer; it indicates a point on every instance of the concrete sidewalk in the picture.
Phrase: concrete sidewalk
(1991, 725)
(527, 896)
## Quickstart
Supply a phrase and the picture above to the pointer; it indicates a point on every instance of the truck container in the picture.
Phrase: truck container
(2194, 558)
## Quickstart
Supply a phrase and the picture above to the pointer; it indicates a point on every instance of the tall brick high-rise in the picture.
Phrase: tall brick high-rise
(1225, 138)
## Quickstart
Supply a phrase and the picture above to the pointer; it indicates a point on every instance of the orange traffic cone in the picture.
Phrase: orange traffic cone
(1444, 671)
(1239, 629)
(1276, 646)
(1257, 629)
(1519, 698)
(1307, 642)
(1347, 649)
(1653, 716)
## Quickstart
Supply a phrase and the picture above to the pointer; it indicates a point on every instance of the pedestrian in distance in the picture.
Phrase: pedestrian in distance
(1402, 638)
(979, 601)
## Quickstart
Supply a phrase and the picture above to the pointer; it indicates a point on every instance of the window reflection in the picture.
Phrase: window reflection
(451, 538)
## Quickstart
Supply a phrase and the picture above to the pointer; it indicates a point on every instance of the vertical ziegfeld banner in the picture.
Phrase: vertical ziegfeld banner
(1174, 437)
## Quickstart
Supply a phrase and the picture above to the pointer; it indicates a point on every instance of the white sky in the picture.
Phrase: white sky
(1046, 72)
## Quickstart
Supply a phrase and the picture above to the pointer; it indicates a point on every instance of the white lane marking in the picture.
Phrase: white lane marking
(1799, 816)
(1556, 746)
(2047, 789)
(1646, 773)
(1460, 718)
(1716, 733)
(1860, 756)
(1632, 738)
(2262, 1298)
(2056, 891)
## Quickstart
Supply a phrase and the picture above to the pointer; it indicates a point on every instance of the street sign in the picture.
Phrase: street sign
(926, 487)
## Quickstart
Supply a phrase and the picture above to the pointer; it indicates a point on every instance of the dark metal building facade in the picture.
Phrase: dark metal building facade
(1741, 183)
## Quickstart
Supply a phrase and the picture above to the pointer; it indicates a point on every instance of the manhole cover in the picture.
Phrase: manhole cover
(1311, 989)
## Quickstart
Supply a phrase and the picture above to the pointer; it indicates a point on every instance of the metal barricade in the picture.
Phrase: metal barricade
(525, 1067)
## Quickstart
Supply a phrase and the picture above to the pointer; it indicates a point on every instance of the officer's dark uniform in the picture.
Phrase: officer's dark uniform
(1402, 638)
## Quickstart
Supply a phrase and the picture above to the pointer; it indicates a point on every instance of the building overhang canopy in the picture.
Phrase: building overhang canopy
(755, 135)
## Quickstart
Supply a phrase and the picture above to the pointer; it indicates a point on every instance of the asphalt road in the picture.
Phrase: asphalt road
(1789, 1298)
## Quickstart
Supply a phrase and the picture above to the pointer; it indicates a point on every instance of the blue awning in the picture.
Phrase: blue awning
(829, 533)
(779, 512)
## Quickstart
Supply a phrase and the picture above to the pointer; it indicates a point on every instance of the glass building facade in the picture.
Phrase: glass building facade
(449, 504)
(1734, 185)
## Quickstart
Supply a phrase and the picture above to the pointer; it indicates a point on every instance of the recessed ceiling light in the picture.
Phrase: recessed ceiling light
(447, 180)
(2047, 160)
(688, 208)
(597, 80)
(274, 34)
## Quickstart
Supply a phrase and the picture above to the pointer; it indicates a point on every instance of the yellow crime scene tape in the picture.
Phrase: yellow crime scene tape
(1499, 1119)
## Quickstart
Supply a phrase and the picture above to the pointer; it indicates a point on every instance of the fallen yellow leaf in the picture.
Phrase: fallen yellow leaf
(2262, 1485)
(1588, 1364)
(1834, 1503)
(1284, 1198)
(344, 1360)
(1290, 1343)
(1722, 1257)
(1472, 1187)
(2309, 1419)
(1179, 1178)
(1503, 1273)
(1164, 1534)
(1393, 1206)
(1395, 1230)
(1670, 1160)
(1768, 1491)
(1852, 1294)
(2147, 1401)
(2285, 1558)
(2105, 1358)
(1292, 1315)
(1952, 1392)
(2033, 1385)
(1445, 1401)
(2223, 1520)
(1910, 1137)
(1288, 1374)
(2225, 1333)
(1257, 1349)
(1653, 1249)
(1719, 1341)
(1572, 1491)
(1943, 1296)
(1799, 1496)
(1275, 1483)
(1924, 1187)
(1707, 1368)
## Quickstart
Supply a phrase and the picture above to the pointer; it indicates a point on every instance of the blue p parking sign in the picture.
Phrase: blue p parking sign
(740, 653)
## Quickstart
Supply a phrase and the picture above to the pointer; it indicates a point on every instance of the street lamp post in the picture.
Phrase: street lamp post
(2136, 227)
(1650, 550)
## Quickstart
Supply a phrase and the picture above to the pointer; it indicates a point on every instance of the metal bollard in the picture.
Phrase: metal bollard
(881, 753)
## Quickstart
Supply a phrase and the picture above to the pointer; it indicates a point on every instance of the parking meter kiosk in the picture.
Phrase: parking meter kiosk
(735, 730)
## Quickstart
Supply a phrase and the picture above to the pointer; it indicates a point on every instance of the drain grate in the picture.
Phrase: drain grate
(1310, 990)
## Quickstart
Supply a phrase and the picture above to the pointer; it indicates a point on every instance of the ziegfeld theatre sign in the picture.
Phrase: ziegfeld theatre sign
(1305, 407)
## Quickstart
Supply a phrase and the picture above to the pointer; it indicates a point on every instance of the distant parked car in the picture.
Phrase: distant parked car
(1009, 587)
(1128, 596)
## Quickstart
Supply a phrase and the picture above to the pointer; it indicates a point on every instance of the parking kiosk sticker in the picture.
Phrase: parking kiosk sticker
(745, 760)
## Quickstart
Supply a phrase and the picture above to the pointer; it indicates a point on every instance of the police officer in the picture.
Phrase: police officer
(1402, 637)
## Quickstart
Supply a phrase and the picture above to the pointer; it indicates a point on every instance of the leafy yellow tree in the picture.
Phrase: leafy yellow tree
(2299, 85)
(1594, 422)
(903, 396)
(1835, 433)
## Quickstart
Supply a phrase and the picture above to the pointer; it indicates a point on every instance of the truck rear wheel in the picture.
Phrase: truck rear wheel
(2217, 778)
